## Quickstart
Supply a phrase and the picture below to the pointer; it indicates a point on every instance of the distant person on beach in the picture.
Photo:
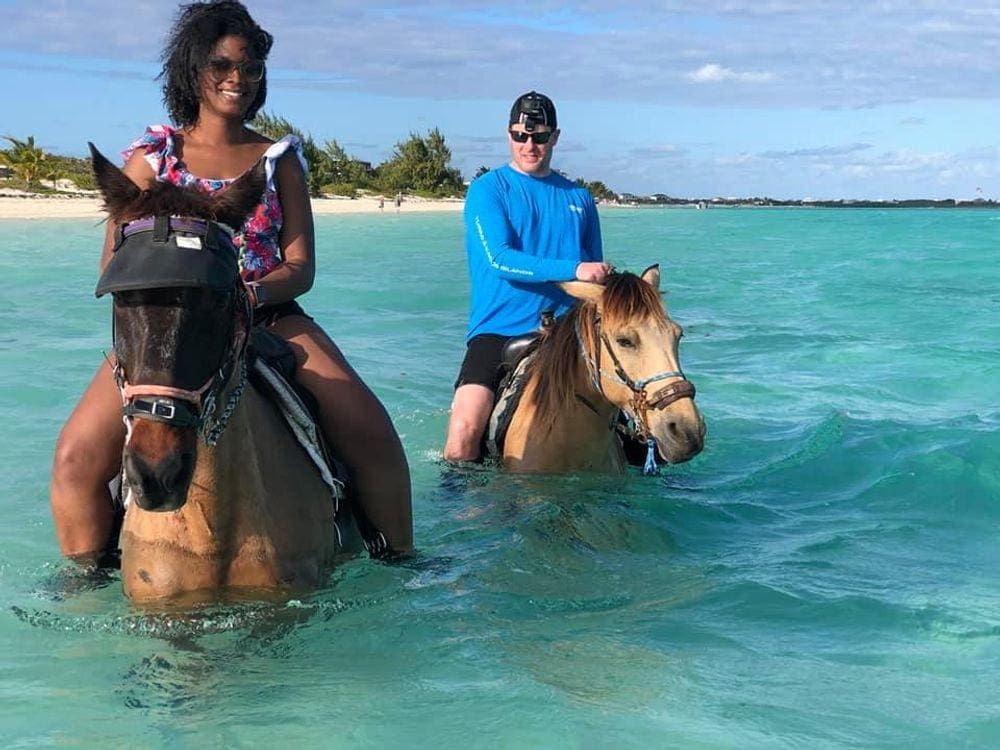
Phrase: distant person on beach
(381, 204)
(399, 201)
(214, 82)
(525, 227)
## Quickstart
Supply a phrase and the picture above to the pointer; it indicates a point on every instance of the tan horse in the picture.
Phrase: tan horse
(615, 350)
(220, 495)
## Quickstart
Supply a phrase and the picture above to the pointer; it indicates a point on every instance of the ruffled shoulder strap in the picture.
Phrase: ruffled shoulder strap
(157, 143)
(276, 150)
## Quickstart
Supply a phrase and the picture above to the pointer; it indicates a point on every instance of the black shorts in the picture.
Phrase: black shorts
(268, 315)
(481, 365)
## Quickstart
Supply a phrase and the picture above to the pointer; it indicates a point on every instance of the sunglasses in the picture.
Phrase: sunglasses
(220, 68)
(542, 136)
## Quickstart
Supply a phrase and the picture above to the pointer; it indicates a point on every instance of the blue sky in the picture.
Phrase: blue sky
(781, 98)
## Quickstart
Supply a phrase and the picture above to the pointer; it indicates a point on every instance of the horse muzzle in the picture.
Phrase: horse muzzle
(676, 422)
(681, 438)
(159, 463)
(684, 445)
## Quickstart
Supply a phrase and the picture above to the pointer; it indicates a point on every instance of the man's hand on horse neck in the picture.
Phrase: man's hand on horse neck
(594, 271)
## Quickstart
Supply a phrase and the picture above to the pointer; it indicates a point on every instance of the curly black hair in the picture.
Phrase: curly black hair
(196, 31)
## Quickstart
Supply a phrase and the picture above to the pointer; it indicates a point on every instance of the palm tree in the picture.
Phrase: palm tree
(26, 159)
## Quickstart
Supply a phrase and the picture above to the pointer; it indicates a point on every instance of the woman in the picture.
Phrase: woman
(215, 82)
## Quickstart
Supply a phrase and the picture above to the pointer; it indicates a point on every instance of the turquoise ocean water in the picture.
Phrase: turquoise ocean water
(826, 574)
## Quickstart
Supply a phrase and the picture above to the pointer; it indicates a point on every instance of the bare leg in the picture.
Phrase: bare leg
(88, 456)
(358, 428)
(470, 411)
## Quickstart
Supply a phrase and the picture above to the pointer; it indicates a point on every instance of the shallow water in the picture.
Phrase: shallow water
(823, 575)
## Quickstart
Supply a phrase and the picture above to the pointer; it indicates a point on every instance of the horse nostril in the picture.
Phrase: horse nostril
(161, 485)
(176, 471)
(136, 468)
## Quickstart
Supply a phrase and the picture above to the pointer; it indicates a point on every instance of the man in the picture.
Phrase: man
(525, 227)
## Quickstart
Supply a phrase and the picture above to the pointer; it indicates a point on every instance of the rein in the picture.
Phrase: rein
(640, 403)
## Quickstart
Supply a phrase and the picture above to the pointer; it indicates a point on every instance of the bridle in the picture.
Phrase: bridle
(178, 406)
(639, 404)
(187, 408)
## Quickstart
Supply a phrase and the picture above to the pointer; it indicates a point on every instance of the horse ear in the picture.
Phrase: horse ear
(234, 205)
(116, 187)
(585, 290)
(652, 276)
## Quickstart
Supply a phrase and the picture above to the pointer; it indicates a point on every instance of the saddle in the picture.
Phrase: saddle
(515, 361)
(275, 352)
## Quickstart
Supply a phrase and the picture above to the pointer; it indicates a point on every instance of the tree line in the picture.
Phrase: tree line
(419, 165)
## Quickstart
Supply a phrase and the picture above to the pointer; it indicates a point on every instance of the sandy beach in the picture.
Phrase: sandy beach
(29, 206)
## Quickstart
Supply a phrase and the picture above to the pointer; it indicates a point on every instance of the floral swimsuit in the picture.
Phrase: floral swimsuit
(258, 239)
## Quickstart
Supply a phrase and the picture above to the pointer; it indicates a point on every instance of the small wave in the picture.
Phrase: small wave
(209, 621)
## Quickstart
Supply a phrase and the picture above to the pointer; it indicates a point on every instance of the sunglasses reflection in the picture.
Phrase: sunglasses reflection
(221, 68)
(539, 137)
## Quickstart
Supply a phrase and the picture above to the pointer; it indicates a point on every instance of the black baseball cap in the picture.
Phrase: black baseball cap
(533, 109)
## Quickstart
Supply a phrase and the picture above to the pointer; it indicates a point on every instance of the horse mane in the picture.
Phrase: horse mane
(126, 201)
(626, 298)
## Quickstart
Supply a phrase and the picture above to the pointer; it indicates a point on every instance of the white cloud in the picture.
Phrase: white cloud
(820, 53)
(817, 152)
(713, 73)
(666, 151)
(736, 160)
(852, 171)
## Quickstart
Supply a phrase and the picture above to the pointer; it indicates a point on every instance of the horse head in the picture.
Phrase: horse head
(180, 322)
(631, 347)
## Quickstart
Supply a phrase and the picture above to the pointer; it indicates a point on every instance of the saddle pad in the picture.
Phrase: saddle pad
(302, 425)
(508, 397)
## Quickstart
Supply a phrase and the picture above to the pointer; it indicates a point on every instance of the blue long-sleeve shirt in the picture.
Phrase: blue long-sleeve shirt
(520, 232)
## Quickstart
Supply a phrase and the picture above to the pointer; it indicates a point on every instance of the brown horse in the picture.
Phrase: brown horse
(616, 350)
(220, 496)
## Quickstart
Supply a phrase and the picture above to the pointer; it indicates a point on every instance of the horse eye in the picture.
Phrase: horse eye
(625, 343)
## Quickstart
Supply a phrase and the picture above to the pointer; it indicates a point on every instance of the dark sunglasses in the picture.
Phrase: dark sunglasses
(220, 68)
(541, 136)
